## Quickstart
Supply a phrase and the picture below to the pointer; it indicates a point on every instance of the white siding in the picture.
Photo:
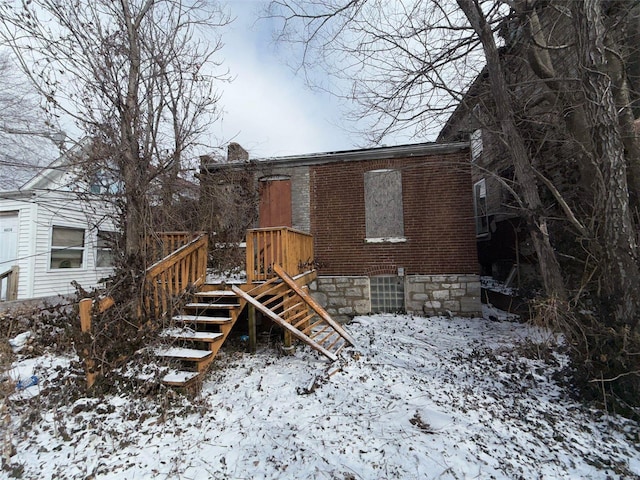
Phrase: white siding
(25, 210)
(36, 217)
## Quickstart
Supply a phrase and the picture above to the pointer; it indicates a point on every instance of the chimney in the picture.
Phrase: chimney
(235, 153)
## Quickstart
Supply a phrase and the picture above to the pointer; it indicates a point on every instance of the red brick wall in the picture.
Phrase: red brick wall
(438, 218)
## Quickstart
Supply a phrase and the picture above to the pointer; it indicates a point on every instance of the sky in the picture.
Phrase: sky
(268, 109)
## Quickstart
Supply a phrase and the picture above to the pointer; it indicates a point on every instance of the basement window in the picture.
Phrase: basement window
(67, 247)
(384, 217)
(387, 294)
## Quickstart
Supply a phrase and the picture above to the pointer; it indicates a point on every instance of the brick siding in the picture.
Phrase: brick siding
(438, 218)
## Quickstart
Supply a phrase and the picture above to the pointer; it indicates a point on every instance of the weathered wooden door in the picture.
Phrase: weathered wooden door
(8, 240)
(275, 203)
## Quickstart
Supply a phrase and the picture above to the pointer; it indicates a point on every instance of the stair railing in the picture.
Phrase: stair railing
(170, 277)
(9, 284)
(283, 246)
(166, 279)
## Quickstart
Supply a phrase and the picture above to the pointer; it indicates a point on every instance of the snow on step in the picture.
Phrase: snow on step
(201, 319)
(188, 334)
(179, 378)
(211, 305)
(183, 353)
(216, 293)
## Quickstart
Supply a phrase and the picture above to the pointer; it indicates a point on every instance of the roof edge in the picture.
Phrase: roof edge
(376, 153)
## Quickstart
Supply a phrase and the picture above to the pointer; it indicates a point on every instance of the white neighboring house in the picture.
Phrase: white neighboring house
(55, 230)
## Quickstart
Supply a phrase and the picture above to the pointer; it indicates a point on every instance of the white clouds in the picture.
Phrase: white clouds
(268, 109)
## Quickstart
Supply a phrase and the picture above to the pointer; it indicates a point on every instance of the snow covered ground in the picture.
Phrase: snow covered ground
(420, 398)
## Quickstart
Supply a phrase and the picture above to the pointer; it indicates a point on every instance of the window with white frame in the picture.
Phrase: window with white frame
(480, 207)
(384, 217)
(104, 249)
(67, 247)
(475, 140)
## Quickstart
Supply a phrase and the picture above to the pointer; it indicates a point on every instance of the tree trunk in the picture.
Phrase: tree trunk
(618, 233)
(549, 267)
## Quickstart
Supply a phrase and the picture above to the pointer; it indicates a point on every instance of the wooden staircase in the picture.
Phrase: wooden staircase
(286, 301)
(196, 335)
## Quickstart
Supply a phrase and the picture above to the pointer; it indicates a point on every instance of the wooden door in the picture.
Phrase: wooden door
(275, 203)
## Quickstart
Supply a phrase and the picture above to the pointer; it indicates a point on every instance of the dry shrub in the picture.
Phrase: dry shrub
(606, 356)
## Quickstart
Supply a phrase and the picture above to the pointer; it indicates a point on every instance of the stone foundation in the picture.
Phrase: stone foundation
(443, 294)
(346, 296)
(341, 296)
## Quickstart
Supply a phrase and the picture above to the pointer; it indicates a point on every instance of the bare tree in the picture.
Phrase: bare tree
(557, 71)
(137, 76)
(26, 138)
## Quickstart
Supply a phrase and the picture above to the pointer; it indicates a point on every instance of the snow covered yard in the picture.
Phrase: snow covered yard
(420, 398)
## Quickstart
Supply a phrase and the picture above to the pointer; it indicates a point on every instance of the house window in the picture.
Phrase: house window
(384, 216)
(104, 183)
(475, 140)
(67, 247)
(387, 294)
(480, 207)
(104, 249)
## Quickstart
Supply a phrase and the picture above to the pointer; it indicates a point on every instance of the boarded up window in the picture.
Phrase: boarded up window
(383, 204)
(275, 203)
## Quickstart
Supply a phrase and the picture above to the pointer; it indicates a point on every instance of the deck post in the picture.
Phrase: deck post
(251, 312)
(85, 325)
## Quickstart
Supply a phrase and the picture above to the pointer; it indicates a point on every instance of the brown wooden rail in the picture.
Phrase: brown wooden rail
(161, 244)
(10, 278)
(266, 247)
(164, 280)
(171, 276)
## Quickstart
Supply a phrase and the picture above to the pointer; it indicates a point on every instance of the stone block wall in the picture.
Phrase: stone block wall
(346, 296)
(441, 294)
(342, 296)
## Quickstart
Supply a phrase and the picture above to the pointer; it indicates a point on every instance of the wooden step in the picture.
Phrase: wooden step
(178, 378)
(188, 334)
(178, 353)
(202, 319)
(211, 306)
(216, 293)
(221, 306)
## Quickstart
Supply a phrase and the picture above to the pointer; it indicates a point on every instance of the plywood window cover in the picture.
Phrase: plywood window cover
(384, 215)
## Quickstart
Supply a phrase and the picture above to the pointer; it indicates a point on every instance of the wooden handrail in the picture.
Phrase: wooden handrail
(171, 276)
(161, 244)
(284, 246)
(11, 277)
(164, 280)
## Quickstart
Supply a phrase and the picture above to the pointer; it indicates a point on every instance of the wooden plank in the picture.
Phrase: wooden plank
(276, 318)
(304, 320)
(202, 319)
(251, 318)
(309, 300)
(178, 378)
(183, 353)
(188, 334)
(216, 293)
(85, 314)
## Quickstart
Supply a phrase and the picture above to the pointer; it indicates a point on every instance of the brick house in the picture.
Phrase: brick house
(542, 114)
(393, 227)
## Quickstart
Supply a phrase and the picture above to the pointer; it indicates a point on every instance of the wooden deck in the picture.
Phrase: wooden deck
(279, 266)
